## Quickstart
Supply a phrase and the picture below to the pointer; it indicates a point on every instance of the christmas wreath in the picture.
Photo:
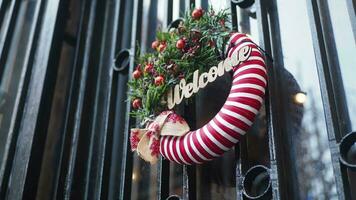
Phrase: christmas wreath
(185, 59)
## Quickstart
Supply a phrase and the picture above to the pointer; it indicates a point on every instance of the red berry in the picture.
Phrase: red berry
(180, 44)
(155, 44)
(136, 74)
(136, 103)
(197, 13)
(211, 43)
(222, 22)
(148, 68)
(161, 47)
(159, 80)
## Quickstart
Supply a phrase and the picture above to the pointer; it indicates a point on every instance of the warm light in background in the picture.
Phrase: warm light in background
(300, 98)
(134, 176)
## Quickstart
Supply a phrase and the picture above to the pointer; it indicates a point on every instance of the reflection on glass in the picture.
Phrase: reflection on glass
(313, 159)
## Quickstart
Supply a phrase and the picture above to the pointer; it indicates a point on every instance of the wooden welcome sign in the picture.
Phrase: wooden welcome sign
(184, 90)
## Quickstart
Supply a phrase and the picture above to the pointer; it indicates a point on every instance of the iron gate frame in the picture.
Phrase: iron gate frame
(97, 95)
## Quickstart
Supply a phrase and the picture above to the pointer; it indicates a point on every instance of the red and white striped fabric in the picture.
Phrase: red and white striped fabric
(234, 118)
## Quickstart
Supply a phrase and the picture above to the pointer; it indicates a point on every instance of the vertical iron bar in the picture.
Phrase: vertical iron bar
(204, 4)
(240, 148)
(9, 9)
(68, 145)
(169, 14)
(163, 166)
(181, 7)
(152, 22)
(189, 187)
(10, 145)
(281, 164)
(351, 7)
(119, 127)
(83, 64)
(35, 118)
(189, 179)
(163, 179)
(189, 4)
(189, 171)
(244, 22)
(336, 83)
(103, 95)
(234, 16)
(120, 79)
(320, 28)
(282, 156)
(126, 169)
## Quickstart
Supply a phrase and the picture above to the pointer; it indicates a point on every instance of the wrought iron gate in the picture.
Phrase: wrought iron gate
(64, 123)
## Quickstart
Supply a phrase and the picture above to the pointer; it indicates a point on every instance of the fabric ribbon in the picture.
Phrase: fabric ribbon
(146, 142)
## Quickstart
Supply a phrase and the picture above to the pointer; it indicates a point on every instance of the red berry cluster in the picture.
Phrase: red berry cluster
(159, 45)
(148, 69)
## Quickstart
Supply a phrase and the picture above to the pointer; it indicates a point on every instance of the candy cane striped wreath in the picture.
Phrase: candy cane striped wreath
(234, 118)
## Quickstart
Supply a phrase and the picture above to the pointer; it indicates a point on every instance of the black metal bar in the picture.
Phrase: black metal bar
(336, 83)
(181, 8)
(241, 149)
(73, 127)
(318, 21)
(118, 137)
(263, 28)
(9, 148)
(169, 14)
(120, 112)
(1, 4)
(27, 158)
(163, 167)
(282, 157)
(351, 7)
(11, 9)
(66, 146)
(189, 182)
(244, 22)
(152, 22)
(126, 168)
(204, 4)
(188, 4)
(189, 172)
(238, 170)
(284, 165)
(163, 179)
(103, 95)
(234, 16)
(118, 109)
(93, 135)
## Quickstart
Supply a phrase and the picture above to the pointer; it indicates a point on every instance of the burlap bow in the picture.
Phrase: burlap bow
(146, 141)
